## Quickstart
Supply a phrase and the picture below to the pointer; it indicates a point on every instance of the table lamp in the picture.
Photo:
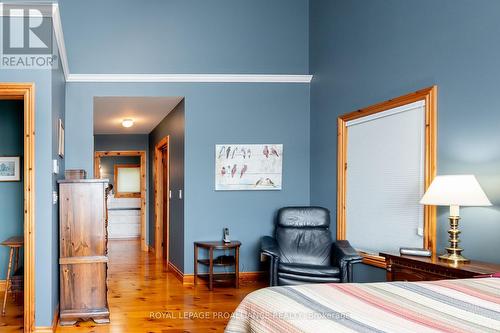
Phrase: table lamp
(455, 191)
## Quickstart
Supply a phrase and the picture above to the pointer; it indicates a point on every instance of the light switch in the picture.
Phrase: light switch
(55, 197)
(55, 166)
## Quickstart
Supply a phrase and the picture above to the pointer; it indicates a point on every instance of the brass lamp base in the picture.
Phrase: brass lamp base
(453, 258)
(454, 254)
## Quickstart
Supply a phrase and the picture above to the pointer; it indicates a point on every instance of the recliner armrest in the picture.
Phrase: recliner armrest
(269, 246)
(343, 251)
(344, 256)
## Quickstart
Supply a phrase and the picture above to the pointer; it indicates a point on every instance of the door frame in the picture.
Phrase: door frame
(142, 154)
(26, 93)
(158, 194)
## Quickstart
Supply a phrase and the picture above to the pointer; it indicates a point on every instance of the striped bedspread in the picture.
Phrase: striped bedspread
(470, 305)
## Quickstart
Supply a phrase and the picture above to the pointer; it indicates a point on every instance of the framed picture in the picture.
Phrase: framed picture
(10, 170)
(248, 167)
(61, 139)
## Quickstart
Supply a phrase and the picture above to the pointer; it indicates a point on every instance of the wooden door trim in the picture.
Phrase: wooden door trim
(158, 195)
(26, 93)
(429, 95)
(142, 154)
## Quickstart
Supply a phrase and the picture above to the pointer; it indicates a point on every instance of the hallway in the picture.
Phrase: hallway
(140, 288)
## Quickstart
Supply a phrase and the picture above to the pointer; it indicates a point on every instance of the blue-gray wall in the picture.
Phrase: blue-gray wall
(364, 52)
(58, 105)
(186, 36)
(11, 193)
(196, 36)
(215, 114)
(46, 242)
(172, 125)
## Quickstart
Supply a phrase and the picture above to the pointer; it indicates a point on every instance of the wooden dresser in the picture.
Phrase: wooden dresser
(413, 268)
(83, 251)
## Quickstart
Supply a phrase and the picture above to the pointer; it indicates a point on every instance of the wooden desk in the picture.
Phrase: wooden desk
(210, 262)
(14, 243)
(413, 268)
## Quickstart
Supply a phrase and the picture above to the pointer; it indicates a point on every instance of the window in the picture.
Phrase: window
(127, 181)
(386, 161)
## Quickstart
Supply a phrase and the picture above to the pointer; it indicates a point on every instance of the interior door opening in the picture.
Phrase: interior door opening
(162, 198)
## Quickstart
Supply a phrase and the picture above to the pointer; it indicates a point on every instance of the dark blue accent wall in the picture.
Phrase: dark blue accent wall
(11, 193)
(364, 52)
(109, 142)
(172, 125)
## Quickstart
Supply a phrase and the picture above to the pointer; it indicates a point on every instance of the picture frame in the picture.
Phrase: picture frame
(61, 139)
(248, 167)
(10, 169)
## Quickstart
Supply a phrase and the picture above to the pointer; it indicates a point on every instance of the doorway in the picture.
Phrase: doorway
(25, 92)
(98, 155)
(162, 198)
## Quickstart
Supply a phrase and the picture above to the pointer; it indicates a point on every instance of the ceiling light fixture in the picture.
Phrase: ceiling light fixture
(128, 123)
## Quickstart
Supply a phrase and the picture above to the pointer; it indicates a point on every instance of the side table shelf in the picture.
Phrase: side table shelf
(211, 262)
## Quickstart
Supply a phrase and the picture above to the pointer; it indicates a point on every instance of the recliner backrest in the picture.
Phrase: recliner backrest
(303, 235)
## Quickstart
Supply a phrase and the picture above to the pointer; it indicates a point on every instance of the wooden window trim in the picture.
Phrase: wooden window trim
(125, 194)
(429, 95)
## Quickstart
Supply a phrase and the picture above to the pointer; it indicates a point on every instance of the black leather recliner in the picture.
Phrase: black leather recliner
(302, 250)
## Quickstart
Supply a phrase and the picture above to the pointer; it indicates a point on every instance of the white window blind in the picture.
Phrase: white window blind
(128, 180)
(385, 179)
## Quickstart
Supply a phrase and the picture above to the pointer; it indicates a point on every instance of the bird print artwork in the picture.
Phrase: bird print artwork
(221, 152)
(243, 170)
(265, 182)
(248, 166)
(266, 151)
(274, 152)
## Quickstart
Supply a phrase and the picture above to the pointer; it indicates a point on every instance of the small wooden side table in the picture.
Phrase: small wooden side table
(414, 268)
(14, 243)
(210, 262)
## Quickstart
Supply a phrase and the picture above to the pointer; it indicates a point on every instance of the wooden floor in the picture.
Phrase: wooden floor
(143, 297)
(13, 320)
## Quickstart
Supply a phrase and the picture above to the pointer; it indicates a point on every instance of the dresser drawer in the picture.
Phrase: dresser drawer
(413, 275)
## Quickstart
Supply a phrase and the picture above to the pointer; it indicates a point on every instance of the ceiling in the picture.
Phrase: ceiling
(147, 112)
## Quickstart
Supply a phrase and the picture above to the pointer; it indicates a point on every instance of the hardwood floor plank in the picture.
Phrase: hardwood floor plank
(144, 297)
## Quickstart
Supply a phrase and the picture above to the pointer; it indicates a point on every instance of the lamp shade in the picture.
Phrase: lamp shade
(455, 190)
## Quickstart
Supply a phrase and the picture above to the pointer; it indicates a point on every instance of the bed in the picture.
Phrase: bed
(466, 305)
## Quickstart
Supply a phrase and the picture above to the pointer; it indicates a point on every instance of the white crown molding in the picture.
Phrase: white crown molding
(172, 78)
(58, 32)
(191, 78)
